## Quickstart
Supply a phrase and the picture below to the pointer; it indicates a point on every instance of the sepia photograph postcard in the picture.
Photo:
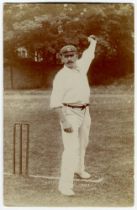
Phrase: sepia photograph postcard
(68, 104)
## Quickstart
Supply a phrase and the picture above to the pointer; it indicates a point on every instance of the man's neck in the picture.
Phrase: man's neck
(71, 68)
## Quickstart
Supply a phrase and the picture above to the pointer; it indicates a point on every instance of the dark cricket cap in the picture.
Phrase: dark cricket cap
(68, 49)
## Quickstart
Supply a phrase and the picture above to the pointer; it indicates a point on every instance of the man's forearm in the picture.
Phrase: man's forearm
(66, 125)
(87, 56)
(92, 46)
(60, 113)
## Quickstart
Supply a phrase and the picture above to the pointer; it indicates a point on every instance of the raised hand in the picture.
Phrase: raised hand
(92, 37)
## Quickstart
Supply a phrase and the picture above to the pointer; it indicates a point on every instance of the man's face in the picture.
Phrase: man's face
(69, 59)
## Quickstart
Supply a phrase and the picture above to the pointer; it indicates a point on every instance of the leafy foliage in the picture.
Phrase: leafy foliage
(47, 27)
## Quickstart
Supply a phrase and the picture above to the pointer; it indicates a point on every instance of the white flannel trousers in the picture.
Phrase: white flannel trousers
(75, 144)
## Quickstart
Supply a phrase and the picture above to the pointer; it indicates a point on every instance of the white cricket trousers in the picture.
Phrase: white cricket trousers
(75, 144)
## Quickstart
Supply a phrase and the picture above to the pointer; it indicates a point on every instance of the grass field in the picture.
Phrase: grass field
(110, 153)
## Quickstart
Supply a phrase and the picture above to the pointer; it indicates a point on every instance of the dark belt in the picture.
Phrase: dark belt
(79, 107)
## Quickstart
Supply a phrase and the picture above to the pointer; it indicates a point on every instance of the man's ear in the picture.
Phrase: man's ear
(58, 56)
(61, 58)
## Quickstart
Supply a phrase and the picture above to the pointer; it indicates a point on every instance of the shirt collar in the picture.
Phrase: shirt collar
(75, 69)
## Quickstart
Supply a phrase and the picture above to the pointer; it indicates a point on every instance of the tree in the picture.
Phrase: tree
(47, 27)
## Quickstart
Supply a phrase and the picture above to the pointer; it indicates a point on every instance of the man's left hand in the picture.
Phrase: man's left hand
(92, 37)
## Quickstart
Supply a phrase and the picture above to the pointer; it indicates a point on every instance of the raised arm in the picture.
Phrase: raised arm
(88, 55)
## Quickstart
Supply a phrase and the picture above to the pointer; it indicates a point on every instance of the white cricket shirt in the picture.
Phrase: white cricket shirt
(71, 85)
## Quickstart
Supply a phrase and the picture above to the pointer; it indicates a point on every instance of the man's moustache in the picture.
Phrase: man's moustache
(69, 62)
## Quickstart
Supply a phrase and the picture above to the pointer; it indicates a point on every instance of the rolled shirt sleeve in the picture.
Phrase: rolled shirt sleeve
(87, 57)
(57, 91)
